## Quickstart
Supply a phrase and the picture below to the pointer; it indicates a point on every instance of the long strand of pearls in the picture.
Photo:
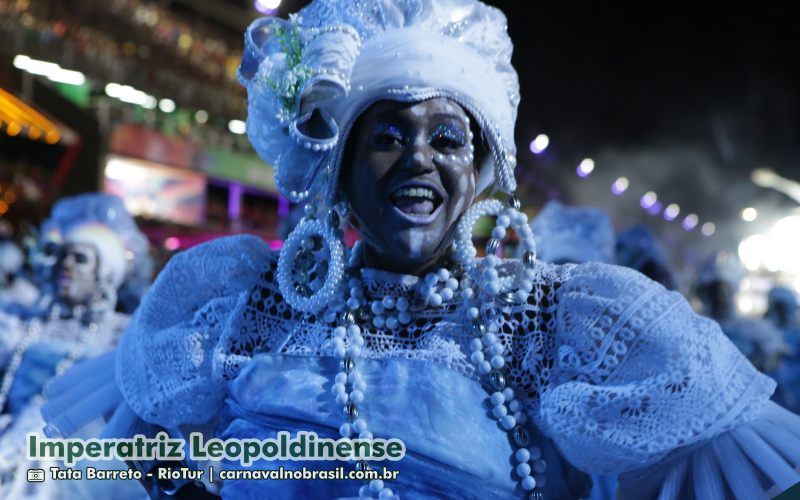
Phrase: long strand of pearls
(349, 385)
(439, 287)
(487, 352)
(32, 333)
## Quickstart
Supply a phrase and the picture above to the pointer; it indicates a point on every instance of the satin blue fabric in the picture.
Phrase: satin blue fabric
(432, 409)
(37, 367)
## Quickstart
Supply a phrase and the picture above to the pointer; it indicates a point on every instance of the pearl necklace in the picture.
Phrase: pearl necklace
(488, 355)
(32, 335)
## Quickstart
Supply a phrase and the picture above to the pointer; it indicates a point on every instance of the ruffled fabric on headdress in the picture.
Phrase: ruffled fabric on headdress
(308, 80)
(102, 221)
(573, 234)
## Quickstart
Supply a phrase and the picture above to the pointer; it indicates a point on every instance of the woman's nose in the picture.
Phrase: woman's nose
(418, 157)
(68, 262)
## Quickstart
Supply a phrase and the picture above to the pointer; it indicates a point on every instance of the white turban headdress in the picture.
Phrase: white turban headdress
(573, 234)
(102, 221)
(337, 58)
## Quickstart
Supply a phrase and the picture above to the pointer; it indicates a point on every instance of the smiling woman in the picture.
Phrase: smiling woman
(504, 378)
(76, 273)
(416, 161)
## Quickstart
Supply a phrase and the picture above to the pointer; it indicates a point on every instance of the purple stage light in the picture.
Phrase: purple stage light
(671, 212)
(655, 208)
(619, 186)
(267, 7)
(539, 144)
(648, 200)
(689, 222)
(585, 168)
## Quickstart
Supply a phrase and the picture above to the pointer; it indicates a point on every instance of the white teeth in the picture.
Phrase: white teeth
(415, 193)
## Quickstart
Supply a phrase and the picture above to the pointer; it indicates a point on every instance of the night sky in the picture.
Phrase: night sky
(684, 102)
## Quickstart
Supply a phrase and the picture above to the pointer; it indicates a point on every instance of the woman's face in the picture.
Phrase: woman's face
(75, 273)
(410, 177)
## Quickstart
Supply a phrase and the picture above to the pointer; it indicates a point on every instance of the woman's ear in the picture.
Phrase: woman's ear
(346, 211)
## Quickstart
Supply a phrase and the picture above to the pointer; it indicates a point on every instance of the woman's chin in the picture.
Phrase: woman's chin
(409, 251)
(416, 244)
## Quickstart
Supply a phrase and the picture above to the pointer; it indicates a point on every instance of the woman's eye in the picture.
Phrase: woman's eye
(387, 140)
(388, 136)
(447, 137)
(51, 249)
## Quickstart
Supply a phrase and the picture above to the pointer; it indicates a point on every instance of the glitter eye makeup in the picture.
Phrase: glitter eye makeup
(447, 136)
(387, 135)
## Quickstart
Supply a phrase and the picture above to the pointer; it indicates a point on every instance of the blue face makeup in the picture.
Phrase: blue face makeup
(447, 136)
(408, 178)
(387, 135)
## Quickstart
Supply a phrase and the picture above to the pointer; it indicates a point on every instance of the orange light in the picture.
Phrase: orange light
(34, 133)
(19, 116)
(13, 129)
(52, 137)
(3, 207)
(10, 197)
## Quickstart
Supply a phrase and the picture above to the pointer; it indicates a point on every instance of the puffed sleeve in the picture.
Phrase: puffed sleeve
(641, 382)
(162, 371)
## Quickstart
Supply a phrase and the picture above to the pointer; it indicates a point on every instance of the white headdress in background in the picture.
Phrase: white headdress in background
(574, 234)
(102, 221)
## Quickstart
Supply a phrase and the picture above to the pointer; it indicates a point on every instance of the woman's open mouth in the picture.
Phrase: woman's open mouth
(417, 203)
(63, 280)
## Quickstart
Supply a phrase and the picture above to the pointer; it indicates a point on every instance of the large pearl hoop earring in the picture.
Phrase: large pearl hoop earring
(311, 262)
(487, 272)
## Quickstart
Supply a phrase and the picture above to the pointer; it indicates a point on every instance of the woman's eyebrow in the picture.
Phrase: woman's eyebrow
(450, 116)
(384, 125)
(384, 120)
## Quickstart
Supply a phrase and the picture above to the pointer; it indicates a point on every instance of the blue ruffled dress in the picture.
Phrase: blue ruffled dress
(56, 342)
(617, 375)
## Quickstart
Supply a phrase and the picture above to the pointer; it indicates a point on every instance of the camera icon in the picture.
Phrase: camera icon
(35, 475)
